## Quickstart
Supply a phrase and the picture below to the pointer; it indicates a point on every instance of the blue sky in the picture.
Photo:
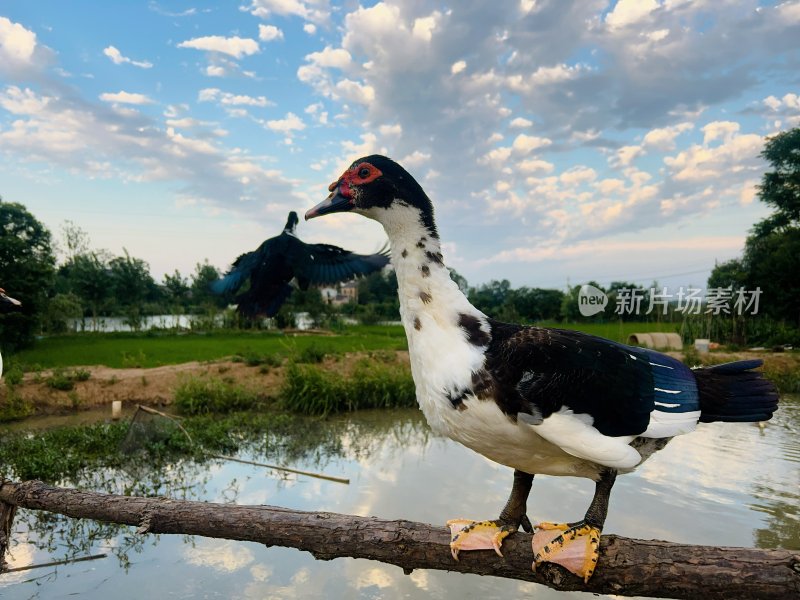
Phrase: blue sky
(560, 141)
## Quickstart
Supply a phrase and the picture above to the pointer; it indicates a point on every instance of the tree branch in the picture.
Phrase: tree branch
(627, 566)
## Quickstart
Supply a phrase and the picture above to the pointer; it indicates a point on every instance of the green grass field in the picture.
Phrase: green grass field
(143, 350)
(617, 331)
(131, 350)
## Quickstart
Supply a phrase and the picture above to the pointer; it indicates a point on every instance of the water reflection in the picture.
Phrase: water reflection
(727, 484)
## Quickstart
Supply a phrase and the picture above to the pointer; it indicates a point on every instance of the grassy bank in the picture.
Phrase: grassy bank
(118, 350)
(124, 350)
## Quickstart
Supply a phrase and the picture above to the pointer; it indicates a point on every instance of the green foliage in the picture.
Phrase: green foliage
(771, 259)
(110, 349)
(58, 454)
(202, 298)
(26, 273)
(310, 354)
(60, 309)
(203, 395)
(255, 359)
(64, 380)
(177, 290)
(13, 376)
(784, 374)
(780, 187)
(312, 390)
(14, 407)
(88, 277)
(772, 262)
(137, 360)
(499, 300)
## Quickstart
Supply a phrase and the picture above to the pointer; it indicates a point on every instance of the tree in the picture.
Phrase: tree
(88, 276)
(177, 289)
(491, 296)
(203, 299)
(26, 271)
(780, 188)
(131, 285)
(60, 309)
(771, 260)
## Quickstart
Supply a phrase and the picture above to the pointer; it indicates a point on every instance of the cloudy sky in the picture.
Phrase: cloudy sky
(560, 141)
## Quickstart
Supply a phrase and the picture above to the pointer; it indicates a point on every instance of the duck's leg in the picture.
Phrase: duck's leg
(576, 546)
(488, 535)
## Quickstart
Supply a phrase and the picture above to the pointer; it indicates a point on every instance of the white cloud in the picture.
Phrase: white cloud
(415, 160)
(312, 10)
(525, 144)
(626, 155)
(232, 46)
(17, 44)
(338, 58)
(118, 59)
(663, 138)
(458, 66)
(228, 99)
(310, 28)
(122, 97)
(22, 102)
(630, 12)
(286, 125)
(354, 91)
(719, 130)
(736, 156)
(578, 175)
(521, 123)
(269, 33)
(535, 165)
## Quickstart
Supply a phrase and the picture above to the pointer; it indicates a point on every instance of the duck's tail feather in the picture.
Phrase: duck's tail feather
(734, 392)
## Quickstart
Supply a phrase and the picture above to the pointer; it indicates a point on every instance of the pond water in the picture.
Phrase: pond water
(726, 484)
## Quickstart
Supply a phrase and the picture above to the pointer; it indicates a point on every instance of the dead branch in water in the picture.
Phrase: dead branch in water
(627, 566)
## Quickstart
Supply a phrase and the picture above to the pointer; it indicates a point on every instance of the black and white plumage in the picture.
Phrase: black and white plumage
(278, 260)
(539, 400)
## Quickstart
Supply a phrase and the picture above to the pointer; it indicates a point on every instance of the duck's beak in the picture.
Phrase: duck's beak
(340, 199)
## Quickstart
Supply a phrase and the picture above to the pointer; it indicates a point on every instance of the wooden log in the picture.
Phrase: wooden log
(627, 567)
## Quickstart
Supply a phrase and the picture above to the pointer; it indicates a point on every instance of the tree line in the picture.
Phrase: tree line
(91, 284)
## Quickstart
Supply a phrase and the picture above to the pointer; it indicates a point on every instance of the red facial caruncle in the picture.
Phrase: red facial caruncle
(358, 175)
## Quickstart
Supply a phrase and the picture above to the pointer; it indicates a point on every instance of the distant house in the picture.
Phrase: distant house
(344, 293)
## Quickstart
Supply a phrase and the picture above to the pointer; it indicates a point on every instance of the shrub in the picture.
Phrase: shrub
(14, 407)
(310, 354)
(13, 376)
(203, 395)
(312, 390)
(64, 381)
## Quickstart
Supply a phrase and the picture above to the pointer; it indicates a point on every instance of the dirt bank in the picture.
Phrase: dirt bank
(154, 387)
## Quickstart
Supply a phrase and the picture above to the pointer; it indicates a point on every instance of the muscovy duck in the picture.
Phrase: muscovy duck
(7, 303)
(539, 400)
(278, 260)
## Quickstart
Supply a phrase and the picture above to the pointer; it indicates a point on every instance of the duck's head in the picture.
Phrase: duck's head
(377, 187)
(291, 223)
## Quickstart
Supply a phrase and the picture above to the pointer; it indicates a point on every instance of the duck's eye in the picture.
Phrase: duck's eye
(363, 173)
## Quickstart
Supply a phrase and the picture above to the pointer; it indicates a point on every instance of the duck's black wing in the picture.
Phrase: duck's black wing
(548, 370)
(327, 264)
(245, 266)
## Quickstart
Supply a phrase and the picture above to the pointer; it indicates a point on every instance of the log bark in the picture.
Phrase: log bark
(627, 566)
